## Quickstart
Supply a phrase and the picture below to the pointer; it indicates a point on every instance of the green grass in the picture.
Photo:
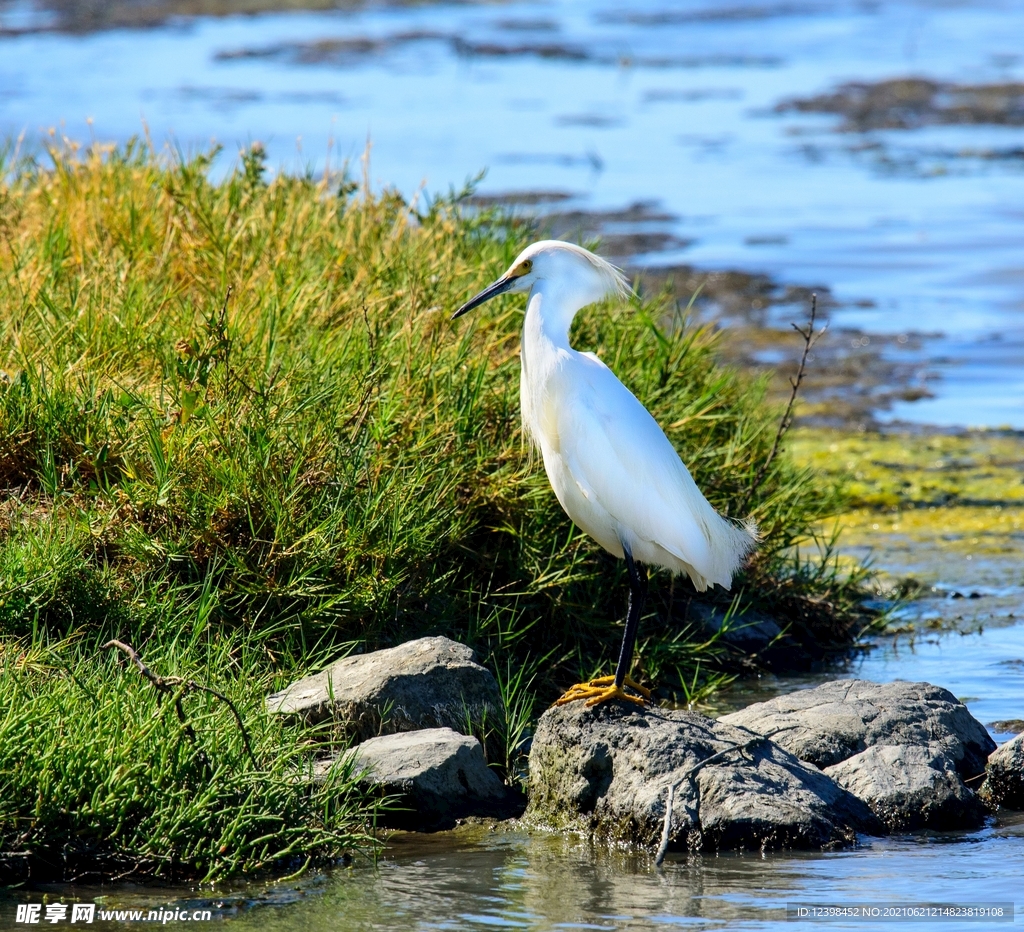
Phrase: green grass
(238, 431)
(101, 780)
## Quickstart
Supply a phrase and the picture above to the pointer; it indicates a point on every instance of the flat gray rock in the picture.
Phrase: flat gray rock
(437, 775)
(826, 725)
(910, 787)
(606, 771)
(1004, 784)
(428, 683)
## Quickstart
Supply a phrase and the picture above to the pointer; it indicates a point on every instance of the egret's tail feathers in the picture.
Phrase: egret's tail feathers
(730, 544)
(699, 582)
(750, 526)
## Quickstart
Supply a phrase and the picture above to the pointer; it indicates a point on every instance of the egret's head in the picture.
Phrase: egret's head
(570, 268)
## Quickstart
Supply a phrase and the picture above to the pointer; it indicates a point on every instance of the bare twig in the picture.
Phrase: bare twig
(810, 338)
(179, 688)
(714, 758)
(667, 827)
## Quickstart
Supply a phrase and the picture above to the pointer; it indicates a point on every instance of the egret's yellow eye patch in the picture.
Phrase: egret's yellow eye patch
(524, 268)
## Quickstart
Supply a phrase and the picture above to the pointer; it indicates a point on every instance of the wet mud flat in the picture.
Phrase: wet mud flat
(913, 102)
(882, 116)
(852, 376)
(80, 16)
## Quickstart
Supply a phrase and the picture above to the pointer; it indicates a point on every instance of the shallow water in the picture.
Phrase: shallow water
(913, 230)
(516, 880)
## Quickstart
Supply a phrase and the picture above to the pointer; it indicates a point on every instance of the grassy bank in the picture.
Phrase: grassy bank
(238, 431)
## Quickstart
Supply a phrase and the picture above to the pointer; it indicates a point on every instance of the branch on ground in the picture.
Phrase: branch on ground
(179, 688)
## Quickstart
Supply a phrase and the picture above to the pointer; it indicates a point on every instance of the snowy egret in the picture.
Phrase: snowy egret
(611, 466)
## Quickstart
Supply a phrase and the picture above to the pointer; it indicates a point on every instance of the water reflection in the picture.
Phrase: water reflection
(514, 879)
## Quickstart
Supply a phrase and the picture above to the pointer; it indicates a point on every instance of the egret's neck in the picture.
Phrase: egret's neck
(549, 314)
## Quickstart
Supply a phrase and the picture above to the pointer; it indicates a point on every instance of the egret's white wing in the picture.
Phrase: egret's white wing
(617, 453)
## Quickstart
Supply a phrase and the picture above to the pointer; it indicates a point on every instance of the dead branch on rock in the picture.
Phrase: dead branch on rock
(714, 758)
(179, 688)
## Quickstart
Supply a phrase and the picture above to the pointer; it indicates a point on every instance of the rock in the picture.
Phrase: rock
(910, 787)
(751, 632)
(428, 683)
(606, 771)
(438, 775)
(837, 720)
(1004, 784)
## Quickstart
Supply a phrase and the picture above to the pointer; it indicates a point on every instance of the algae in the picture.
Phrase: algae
(941, 516)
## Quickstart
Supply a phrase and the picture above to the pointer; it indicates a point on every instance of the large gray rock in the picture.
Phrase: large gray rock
(1004, 784)
(837, 720)
(427, 683)
(606, 770)
(910, 787)
(437, 775)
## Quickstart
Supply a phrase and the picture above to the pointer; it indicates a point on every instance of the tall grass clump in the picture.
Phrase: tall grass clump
(236, 413)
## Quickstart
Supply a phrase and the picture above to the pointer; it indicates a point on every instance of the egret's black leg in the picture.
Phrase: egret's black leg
(637, 596)
(605, 688)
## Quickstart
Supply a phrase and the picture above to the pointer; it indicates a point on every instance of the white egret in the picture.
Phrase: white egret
(611, 466)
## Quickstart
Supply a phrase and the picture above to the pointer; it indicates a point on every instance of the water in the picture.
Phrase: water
(914, 231)
(515, 881)
(611, 104)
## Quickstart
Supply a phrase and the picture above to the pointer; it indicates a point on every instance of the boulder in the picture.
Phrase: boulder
(910, 787)
(428, 683)
(832, 722)
(436, 776)
(606, 771)
(1004, 783)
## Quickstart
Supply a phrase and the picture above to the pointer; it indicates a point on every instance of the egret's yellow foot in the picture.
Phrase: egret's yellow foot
(628, 681)
(602, 689)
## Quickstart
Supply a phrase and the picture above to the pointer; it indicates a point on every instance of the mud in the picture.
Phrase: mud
(910, 103)
(919, 161)
(335, 51)
(851, 375)
(95, 15)
(641, 228)
(1010, 726)
(736, 13)
(345, 51)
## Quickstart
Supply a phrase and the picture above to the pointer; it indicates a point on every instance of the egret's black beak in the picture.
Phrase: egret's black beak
(491, 291)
